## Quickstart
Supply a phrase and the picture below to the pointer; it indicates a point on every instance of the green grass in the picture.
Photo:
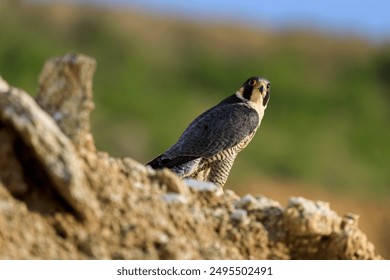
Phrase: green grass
(328, 117)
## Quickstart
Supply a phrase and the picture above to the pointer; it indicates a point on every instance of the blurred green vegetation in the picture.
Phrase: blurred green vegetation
(328, 118)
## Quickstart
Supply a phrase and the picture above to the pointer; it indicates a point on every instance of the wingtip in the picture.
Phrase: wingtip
(155, 163)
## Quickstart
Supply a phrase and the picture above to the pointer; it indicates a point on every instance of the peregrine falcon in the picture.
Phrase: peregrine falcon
(208, 147)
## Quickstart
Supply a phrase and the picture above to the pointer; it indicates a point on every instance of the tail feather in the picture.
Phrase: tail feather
(156, 163)
(161, 162)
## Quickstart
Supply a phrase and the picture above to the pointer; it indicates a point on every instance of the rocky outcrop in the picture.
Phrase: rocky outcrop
(60, 198)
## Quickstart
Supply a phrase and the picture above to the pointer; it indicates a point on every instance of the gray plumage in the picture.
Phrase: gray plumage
(208, 147)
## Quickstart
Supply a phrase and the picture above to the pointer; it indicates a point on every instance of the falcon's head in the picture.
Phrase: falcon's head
(255, 89)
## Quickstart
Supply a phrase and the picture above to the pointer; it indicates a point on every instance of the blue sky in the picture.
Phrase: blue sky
(360, 17)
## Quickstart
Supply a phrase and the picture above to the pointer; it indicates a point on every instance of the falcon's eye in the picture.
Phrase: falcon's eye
(252, 82)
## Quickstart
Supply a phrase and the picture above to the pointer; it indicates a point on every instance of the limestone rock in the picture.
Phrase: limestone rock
(51, 175)
(39, 137)
(65, 93)
(307, 218)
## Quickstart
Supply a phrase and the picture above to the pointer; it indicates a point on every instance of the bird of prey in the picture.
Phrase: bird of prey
(208, 147)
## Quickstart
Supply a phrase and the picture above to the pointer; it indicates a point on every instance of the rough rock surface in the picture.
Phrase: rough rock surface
(62, 199)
